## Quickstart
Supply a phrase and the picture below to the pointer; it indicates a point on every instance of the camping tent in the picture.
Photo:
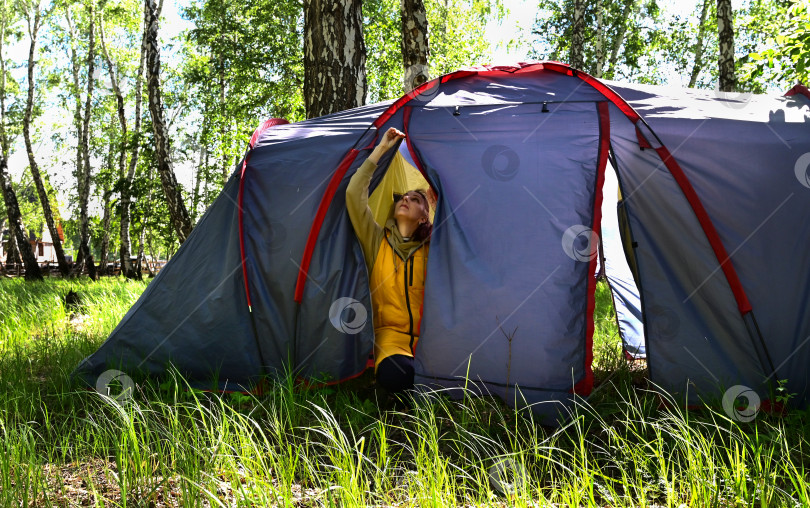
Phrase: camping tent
(715, 199)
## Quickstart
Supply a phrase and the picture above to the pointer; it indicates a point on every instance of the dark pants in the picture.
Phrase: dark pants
(395, 373)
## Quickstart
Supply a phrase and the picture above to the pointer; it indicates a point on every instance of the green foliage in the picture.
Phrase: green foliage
(150, 211)
(107, 178)
(660, 45)
(631, 26)
(456, 36)
(243, 63)
(784, 59)
(679, 46)
(30, 208)
(381, 32)
(253, 51)
(15, 108)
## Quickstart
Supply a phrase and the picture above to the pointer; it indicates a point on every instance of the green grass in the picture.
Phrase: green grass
(63, 445)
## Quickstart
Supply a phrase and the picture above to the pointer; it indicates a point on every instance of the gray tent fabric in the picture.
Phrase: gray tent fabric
(517, 155)
(286, 175)
(194, 315)
(743, 154)
(193, 308)
(502, 295)
(667, 231)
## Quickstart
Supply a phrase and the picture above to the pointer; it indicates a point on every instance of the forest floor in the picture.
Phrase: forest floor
(630, 444)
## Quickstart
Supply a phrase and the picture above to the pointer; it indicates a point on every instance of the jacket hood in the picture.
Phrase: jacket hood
(403, 248)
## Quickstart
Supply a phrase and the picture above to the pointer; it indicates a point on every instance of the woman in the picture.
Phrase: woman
(396, 257)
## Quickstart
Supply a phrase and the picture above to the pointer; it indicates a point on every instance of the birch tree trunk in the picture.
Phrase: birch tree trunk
(15, 224)
(334, 56)
(77, 112)
(125, 176)
(577, 54)
(13, 255)
(105, 238)
(631, 8)
(195, 197)
(142, 255)
(153, 265)
(10, 247)
(142, 236)
(125, 250)
(34, 20)
(701, 35)
(222, 117)
(600, 53)
(725, 31)
(415, 47)
(206, 194)
(174, 199)
(84, 146)
(119, 102)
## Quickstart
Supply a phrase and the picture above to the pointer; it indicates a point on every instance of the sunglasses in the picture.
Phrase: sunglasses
(398, 197)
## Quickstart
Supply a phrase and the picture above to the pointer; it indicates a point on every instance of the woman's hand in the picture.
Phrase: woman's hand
(389, 139)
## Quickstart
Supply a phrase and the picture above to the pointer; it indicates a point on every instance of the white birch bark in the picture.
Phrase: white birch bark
(84, 146)
(34, 20)
(334, 56)
(415, 46)
(577, 54)
(13, 213)
(698, 47)
(174, 199)
(725, 31)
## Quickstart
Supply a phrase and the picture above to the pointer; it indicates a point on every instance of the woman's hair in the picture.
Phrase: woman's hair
(423, 231)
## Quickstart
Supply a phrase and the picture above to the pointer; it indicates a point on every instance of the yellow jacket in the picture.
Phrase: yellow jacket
(397, 270)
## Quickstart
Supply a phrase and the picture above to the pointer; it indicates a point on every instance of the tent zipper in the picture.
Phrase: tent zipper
(408, 301)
